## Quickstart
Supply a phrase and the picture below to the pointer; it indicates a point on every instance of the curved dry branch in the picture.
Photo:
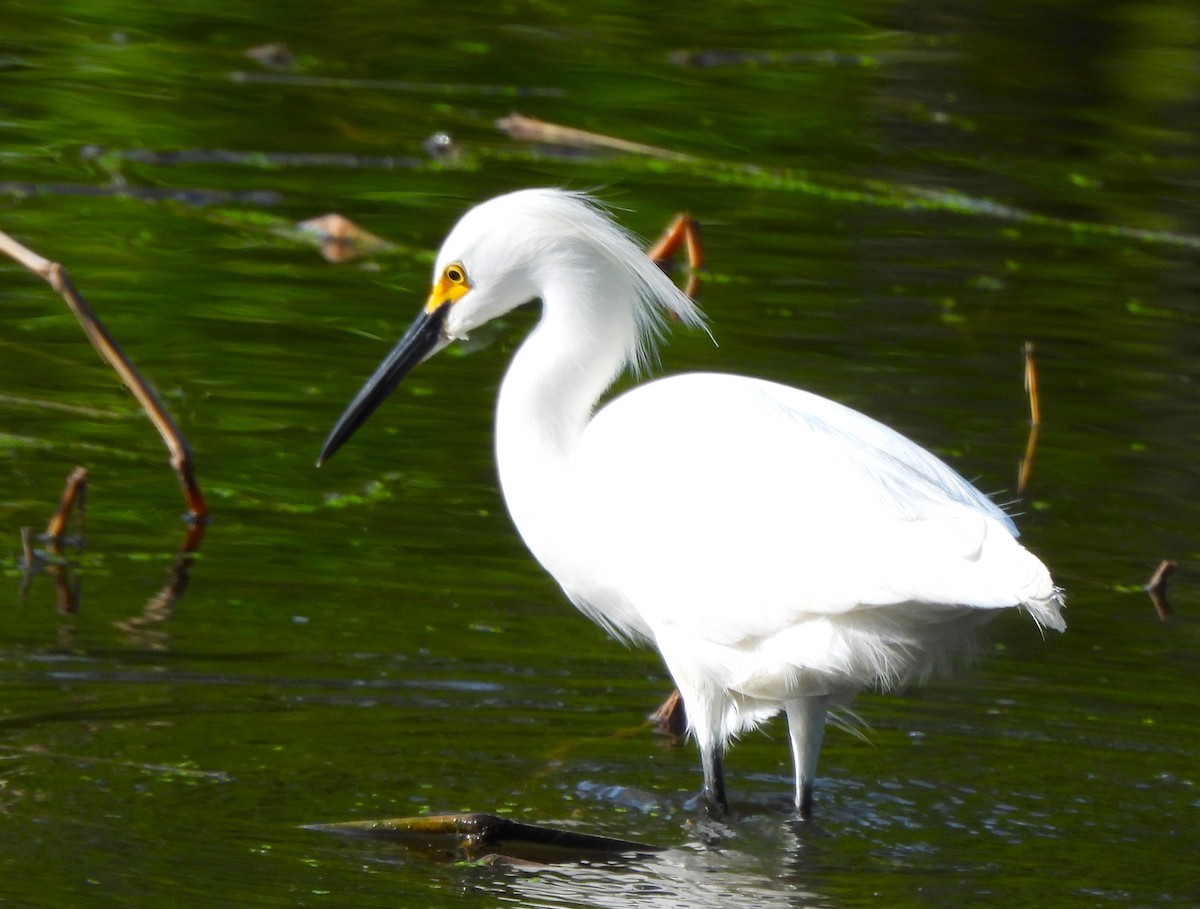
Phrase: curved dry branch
(181, 453)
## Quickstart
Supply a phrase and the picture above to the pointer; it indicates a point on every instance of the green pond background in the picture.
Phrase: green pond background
(895, 197)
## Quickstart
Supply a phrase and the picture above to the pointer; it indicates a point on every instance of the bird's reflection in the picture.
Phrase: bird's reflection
(697, 876)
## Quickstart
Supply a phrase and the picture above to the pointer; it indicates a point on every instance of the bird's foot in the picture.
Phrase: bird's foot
(804, 803)
(707, 802)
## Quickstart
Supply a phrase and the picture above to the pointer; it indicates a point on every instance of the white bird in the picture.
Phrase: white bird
(780, 550)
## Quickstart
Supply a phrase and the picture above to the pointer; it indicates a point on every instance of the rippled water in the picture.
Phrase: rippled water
(894, 200)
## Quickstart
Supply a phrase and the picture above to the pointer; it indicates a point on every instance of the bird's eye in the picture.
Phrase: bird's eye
(455, 274)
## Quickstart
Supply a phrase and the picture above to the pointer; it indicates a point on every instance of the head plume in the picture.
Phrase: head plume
(552, 225)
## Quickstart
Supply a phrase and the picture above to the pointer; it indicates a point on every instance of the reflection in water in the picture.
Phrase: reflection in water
(68, 583)
(51, 561)
(763, 860)
(160, 607)
(325, 687)
(698, 877)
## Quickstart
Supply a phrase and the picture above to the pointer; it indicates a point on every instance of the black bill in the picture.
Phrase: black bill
(423, 337)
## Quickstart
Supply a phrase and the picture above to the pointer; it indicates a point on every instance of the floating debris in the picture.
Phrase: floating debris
(1156, 587)
(341, 240)
(276, 55)
(442, 148)
(529, 129)
(494, 839)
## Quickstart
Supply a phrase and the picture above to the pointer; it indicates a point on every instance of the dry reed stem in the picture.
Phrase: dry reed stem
(1035, 419)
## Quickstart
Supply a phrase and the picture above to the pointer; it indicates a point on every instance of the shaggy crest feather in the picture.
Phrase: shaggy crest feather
(572, 227)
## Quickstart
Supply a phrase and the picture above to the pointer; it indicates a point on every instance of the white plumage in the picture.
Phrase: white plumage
(780, 550)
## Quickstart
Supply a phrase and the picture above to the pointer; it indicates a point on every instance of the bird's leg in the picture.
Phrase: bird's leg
(806, 724)
(682, 231)
(714, 779)
(704, 721)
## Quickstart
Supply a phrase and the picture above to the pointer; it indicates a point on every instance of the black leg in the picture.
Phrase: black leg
(714, 781)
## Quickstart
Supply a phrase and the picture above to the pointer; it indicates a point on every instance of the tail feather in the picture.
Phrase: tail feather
(1046, 610)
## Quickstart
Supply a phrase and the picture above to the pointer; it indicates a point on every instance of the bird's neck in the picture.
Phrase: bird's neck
(546, 399)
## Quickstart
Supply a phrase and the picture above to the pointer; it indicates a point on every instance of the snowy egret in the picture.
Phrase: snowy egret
(780, 550)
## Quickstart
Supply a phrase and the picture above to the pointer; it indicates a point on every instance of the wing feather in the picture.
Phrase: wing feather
(763, 506)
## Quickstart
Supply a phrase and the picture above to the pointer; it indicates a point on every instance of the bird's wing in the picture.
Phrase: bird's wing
(736, 505)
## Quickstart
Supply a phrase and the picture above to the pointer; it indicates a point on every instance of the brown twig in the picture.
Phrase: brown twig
(683, 231)
(74, 492)
(1035, 419)
(670, 718)
(181, 453)
(1157, 588)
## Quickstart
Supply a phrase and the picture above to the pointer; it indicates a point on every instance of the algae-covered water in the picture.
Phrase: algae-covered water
(894, 198)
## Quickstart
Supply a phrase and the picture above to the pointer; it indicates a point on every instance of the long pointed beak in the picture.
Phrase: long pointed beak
(423, 338)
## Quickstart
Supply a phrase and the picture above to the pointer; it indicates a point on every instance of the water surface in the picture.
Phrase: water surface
(895, 198)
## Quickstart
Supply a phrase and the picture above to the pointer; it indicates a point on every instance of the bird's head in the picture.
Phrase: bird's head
(508, 251)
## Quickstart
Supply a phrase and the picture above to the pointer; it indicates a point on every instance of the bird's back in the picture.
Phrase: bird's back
(738, 509)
